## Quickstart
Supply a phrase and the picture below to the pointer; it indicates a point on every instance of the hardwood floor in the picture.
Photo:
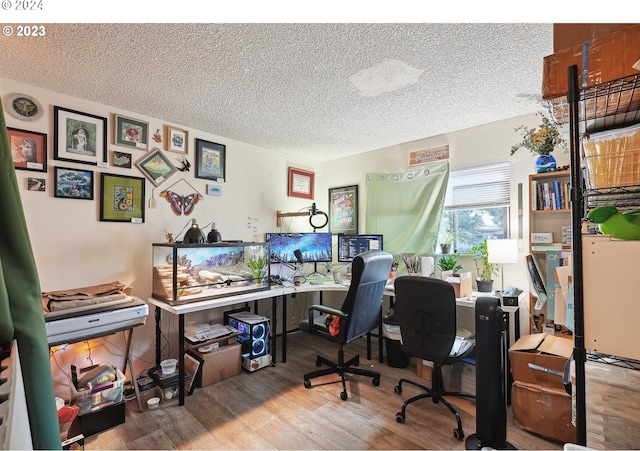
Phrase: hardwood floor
(271, 409)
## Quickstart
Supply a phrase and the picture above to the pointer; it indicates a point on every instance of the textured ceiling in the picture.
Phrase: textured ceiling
(292, 88)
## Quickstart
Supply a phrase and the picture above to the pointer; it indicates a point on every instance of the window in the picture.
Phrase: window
(477, 206)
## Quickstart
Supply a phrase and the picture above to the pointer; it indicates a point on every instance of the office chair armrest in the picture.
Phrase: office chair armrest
(326, 310)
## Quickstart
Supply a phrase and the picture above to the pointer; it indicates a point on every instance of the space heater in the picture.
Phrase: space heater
(491, 355)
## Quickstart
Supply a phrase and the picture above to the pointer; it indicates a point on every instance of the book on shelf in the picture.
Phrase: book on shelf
(553, 195)
(546, 247)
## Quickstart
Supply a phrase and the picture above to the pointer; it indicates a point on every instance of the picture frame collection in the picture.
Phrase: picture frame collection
(81, 138)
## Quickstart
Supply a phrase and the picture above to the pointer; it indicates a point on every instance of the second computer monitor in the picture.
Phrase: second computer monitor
(350, 245)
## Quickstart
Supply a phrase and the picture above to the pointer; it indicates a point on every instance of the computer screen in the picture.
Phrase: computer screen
(351, 245)
(314, 247)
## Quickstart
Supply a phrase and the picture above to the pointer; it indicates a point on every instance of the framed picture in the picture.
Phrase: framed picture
(177, 139)
(79, 137)
(131, 132)
(28, 149)
(192, 367)
(210, 160)
(73, 183)
(156, 166)
(36, 184)
(343, 209)
(301, 183)
(121, 198)
(121, 160)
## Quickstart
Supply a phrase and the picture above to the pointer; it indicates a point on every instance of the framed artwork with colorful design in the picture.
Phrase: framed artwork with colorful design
(121, 198)
(156, 166)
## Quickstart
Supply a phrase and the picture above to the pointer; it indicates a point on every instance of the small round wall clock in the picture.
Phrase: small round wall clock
(23, 107)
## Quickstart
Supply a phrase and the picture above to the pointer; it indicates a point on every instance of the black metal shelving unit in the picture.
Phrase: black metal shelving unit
(593, 109)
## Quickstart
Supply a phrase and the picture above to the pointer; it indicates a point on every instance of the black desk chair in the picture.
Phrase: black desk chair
(359, 314)
(426, 309)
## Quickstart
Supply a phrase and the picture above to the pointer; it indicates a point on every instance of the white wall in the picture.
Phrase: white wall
(72, 248)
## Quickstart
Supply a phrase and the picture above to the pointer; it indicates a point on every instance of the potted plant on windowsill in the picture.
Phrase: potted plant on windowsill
(486, 270)
(447, 241)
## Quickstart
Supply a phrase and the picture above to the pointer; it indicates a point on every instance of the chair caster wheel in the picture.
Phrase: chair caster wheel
(399, 417)
(397, 389)
(458, 434)
(343, 395)
(318, 362)
(307, 383)
(376, 381)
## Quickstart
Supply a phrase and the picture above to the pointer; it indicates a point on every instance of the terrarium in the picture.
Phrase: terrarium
(185, 273)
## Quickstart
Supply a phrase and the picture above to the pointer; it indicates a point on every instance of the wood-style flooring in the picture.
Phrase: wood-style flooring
(271, 409)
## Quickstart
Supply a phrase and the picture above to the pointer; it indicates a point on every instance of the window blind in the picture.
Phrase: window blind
(480, 186)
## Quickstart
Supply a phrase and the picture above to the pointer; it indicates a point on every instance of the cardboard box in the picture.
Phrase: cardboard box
(220, 363)
(462, 283)
(610, 57)
(546, 351)
(543, 410)
(255, 364)
(459, 377)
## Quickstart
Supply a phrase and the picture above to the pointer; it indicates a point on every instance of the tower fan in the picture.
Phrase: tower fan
(491, 407)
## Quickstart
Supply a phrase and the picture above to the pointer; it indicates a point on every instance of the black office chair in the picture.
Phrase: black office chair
(360, 313)
(426, 309)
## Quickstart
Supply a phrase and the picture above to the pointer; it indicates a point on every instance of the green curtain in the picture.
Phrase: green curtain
(406, 208)
(21, 315)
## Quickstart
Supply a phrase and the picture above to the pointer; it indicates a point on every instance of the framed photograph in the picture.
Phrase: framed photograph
(343, 209)
(121, 198)
(28, 149)
(301, 183)
(192, 367)
(177, 139)
(214, 190)
(131, 132)
(79, 137)
(210, 160)
(73, 183)
(156, 166)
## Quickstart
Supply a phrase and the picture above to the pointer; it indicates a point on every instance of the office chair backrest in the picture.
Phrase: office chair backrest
(426, 309)
(369, 274)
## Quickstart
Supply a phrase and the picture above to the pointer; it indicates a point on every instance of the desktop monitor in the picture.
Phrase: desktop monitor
(351, 245)
(314, 247)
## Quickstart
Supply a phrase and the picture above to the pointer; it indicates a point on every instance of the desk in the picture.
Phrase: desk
(274, 293)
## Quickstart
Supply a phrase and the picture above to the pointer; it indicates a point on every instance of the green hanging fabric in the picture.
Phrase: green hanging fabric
(407, 207)
(21, 315)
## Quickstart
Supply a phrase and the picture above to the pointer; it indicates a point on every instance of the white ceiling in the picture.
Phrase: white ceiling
(289, 87)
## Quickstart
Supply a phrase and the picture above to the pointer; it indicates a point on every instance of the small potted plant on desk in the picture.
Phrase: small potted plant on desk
(486, 270)
(447, 240)
(449, 262)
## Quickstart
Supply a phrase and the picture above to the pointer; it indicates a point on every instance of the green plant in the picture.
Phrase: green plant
(540, 141)
(480, 255)
(447, 237)
(257, 263)
(449, 262)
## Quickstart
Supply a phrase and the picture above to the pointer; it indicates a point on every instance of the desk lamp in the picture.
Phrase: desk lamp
(502, 252)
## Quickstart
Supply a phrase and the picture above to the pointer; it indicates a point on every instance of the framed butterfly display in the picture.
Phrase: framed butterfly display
(156, 166)
(181, 204)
